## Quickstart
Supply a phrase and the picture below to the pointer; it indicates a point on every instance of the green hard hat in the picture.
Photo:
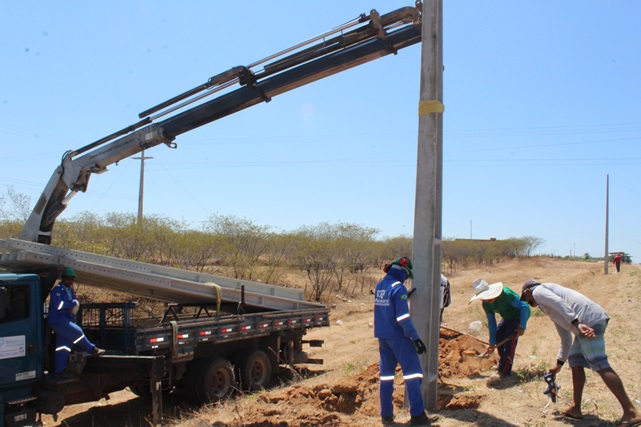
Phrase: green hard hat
(69, 272)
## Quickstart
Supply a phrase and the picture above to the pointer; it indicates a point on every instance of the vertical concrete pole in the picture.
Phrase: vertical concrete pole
(427, 215)
(606, 257)
(141, 191)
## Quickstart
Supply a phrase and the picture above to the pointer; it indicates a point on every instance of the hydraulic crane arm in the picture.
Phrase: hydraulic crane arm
(356, 42)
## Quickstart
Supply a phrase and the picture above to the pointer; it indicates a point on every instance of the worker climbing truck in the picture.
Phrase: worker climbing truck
(217, 334)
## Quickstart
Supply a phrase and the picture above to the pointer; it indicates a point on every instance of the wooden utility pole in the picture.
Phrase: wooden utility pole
(429, 182)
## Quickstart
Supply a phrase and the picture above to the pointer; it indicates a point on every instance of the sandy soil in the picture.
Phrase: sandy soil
(344, 391)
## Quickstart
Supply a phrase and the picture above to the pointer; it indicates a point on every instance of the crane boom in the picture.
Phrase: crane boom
(359, 41)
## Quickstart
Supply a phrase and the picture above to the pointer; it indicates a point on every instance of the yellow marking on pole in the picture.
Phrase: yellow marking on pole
(430, 106)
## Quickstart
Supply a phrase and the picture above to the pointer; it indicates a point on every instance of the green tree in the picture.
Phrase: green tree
(314, 253)
(278, 247)
(352, 246)
(531, 244)
(197, 250)
(243, 243)
(14, 206)
(394, 247)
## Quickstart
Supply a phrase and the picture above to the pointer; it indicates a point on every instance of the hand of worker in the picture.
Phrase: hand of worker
(586, 331)
(76, 307)
(519, 332)
(555, 370)
(420, 346)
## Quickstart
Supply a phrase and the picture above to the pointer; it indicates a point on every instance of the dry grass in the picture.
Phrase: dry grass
(350, 351)
(350, 348)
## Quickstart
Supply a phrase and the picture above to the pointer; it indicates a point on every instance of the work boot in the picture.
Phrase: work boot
(388, 421)
(98, 351)
(422, 420)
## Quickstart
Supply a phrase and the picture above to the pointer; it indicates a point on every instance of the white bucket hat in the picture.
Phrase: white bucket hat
(483, 291)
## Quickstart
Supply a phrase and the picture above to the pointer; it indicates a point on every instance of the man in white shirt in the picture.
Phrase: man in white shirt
(581, 324)
(446, 297)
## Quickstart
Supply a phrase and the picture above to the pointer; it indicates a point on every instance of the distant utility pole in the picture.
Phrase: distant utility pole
(141, 191)
(606, 258)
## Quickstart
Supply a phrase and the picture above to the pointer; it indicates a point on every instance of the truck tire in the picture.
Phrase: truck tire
(210, 380)
(255, 370)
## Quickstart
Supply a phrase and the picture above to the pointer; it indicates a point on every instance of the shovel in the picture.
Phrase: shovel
(486, 354)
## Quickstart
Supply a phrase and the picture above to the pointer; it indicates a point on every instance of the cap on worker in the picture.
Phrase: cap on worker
(485, 292)
(530, 283)
(69, 272)
(403, 262)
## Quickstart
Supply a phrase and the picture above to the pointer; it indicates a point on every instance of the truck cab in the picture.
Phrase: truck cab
(22, 347)
(28, 387)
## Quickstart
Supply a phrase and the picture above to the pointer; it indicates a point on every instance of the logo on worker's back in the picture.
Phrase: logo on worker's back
(381, 298)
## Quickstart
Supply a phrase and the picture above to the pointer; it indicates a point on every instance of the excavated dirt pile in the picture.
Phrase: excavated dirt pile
(332, 404)
(459, 355)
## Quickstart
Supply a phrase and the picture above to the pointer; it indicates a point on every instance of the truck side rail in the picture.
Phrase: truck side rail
(183, 335)
(187, 334)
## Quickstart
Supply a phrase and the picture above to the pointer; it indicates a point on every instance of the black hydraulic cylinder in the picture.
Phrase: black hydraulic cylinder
(236, 72)
(114, 135)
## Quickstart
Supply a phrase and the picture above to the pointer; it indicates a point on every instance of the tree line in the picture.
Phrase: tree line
(332, 258)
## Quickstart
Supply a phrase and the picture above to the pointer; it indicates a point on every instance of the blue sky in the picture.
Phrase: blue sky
(542, 102)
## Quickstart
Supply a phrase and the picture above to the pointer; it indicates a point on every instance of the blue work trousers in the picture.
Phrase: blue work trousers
(68, 334)
(392, 352)
(506, 328)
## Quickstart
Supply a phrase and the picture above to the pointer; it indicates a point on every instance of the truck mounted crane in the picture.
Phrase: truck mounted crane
(356, 42)
(242, 331)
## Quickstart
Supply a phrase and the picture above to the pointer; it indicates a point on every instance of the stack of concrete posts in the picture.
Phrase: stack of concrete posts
(147, 280)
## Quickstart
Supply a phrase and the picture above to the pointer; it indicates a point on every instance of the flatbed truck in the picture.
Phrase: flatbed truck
(209, 350)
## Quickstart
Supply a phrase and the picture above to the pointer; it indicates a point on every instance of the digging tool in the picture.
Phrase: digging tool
(553, 387)
(463, 333)
(486, 354)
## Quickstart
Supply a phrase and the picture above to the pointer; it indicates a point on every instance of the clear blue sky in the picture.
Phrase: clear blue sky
(542, 102)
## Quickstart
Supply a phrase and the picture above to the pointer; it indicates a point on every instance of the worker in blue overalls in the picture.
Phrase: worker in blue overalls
(398, 342)
(63, 307)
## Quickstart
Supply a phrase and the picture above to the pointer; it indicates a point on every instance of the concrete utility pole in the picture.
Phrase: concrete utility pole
(429, 184)
(606, 258)
(141, 191)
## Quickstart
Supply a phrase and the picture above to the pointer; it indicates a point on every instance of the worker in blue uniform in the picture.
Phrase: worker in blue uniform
(398, 342)
(63, 307)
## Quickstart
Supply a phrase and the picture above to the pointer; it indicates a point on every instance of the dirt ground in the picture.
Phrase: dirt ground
(344, 391)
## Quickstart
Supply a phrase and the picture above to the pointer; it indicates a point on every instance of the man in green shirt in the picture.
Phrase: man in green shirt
(514, 313)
